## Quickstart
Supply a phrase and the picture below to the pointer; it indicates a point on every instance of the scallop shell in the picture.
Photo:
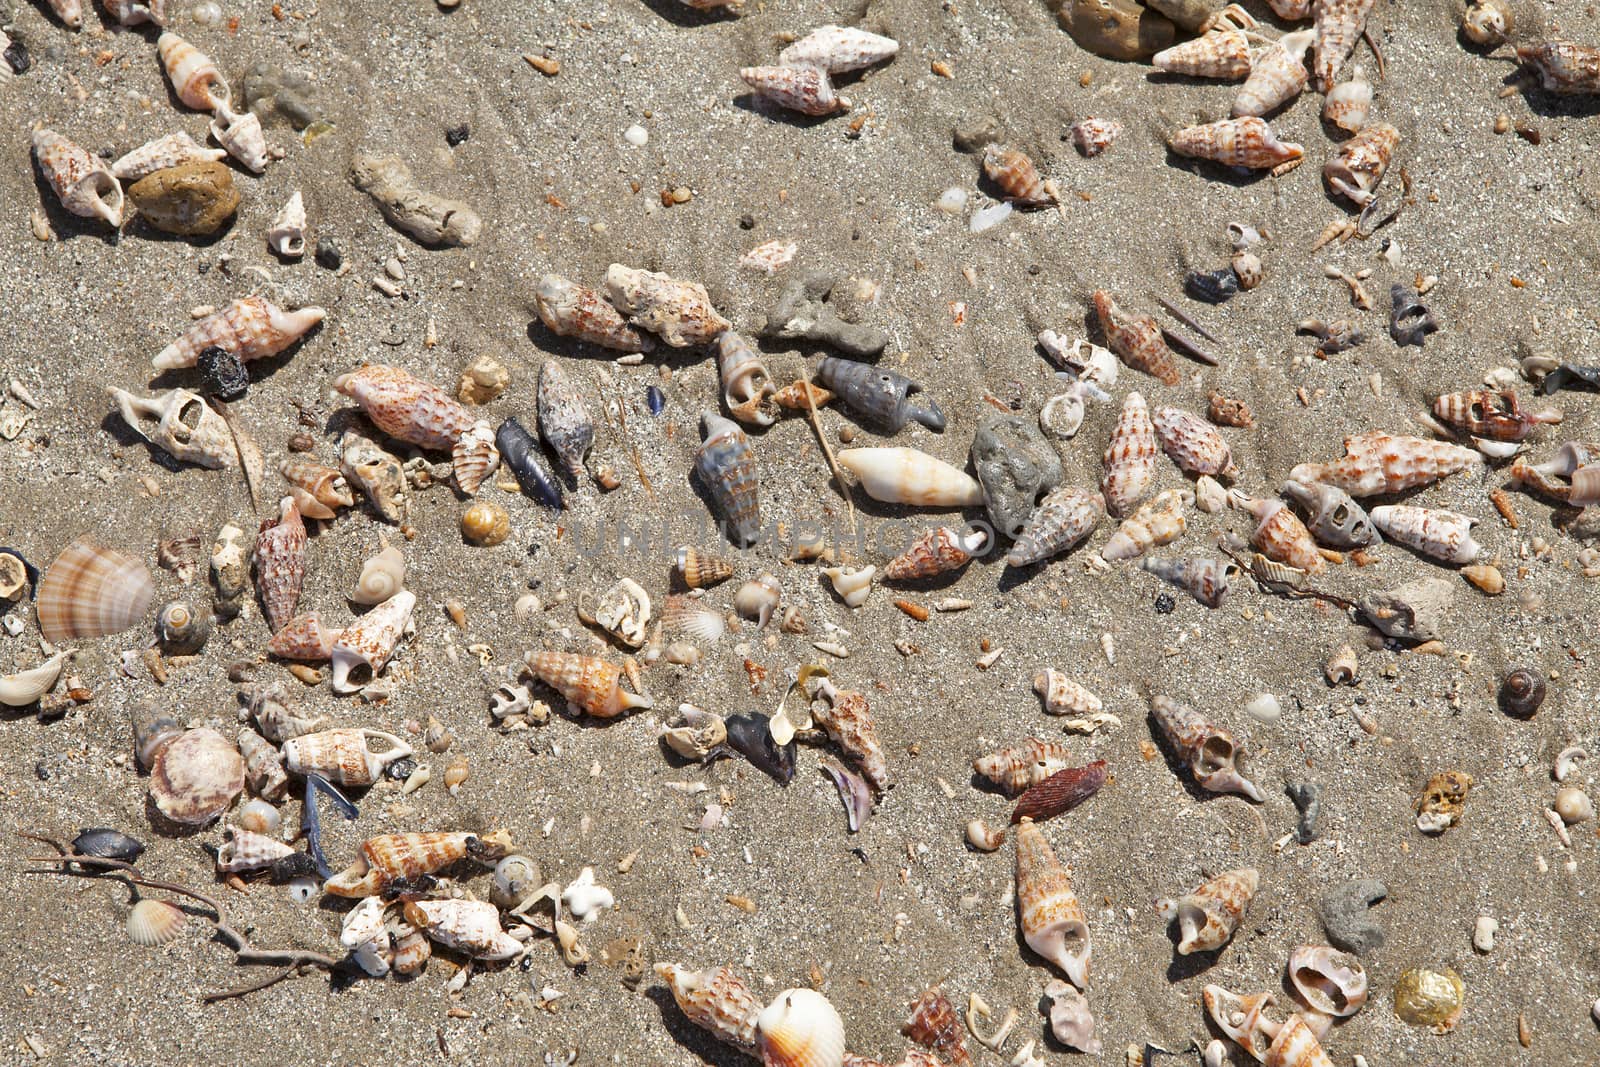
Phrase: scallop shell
(716, 1000)
(305, 639)
(1130, 457)
(1202, 577)
(181, 424)
(470, 926)
(807, 90)
(1048, 912)
(571, 310)
(1278, 76)
(1208, 916)
(1564, 68)
(680, 313)
(155, 922)
(909, 476)
(1063, 518)
(250, 328)
(1243, 142)
(701, 570)
(382, 576)
(163, 153)
(1209, 750)
(1017, 177)
(196, 777)
(839, 49)
(1348, 103)
(1329, 981)
(287, 234)
(800, 1029)
(590, 684)
(564, 422)
(263, 767)
(1376, 463)
(1339, 24)
(1443, 535)
(1281, 536)
(938, 551)
(246, 851)
(92, 591)
(847, 718)
(1332, 516)
(1135, 339)
(195, 79)
(405, 407)
(935, 1024)
(1023, 766)
(363, 648)
(81, 181)
(280, 558)
(1063, 696)
(474, 456)
(1222, 54)
(341, 756)
(747, 387)
(25, 687)
(1359, 164)
(1159, 522)
(323, 487)
(726, 466)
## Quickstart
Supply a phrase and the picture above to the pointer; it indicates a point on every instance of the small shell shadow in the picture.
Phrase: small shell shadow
(1182, 968)
(763, 108)
(1207, 170)
(688, 1035)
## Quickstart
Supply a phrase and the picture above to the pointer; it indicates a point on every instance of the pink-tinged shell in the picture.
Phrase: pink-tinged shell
(1130, 457)
(1244, 142)
(1444, 535)
(1023, 766)
(564, 422)
(1494, 414)
(173, 150)
(1016, 176)
(800, 1029)
(70, 12)
(1339, 25)
(251, 328)
(1208, 916)
(470, 926)
(1061, 695)
(362, 649)
(1243, 1018)
(1209, 751)
(81, 181)
(1281, 536)
(474, 456)
(1359, 164)
(935, 1024)
(1222, 54)
(747, 387)
(1070, 1019)
(1296, 1045)
(406, 407)
(1565, 68)
(938, 551)
(1329, 981)
(571, 310)
(135, 13)
(1160, 522)
(280, 558)
(1202, 577)
(716, 1000)
(303, 638)
(846, 716)
(1063, 518)
(1136, 339)
(195, 79)
(1348, 103)
(341, 756)
(678, 312)
(1193, 443)
(1093, 136)
(838, 49)
(1377, 463)
(263, 765)
(247, 851)
(324, 486)
(804, 89)
(241, 135)
(154, 922)
(1047, 909)
(1278, 76)
(92, 591)
(1291, 10)
(195, 778)
(590, 684)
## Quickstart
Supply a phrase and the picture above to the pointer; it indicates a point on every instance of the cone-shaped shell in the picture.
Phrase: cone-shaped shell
(1277, 76)
(1017, 177)
(246, 851)
(571, 310)
(1332, 517)
(155, 922)
(1243, 1018)
(747, 386)
(195, 79)
(470, 926)
(1357, 166)
(1244, 142)
(242, 136)
(250, 328)
(1222, 54)
(1208, 916)
(1296, 1045)
(389, 858)
(726, 467)
(939, 551)
(81, 181)
(1444, 535)
(1209, 750)
(304, 638)
(838, 49)
(1281, 536)
(195, 778)
(1159, 522)
(1023, 766)
(1047, 909)
(1135, 339)
(1193, 443)
(1348, 103)
(564, 422)
(1377, 463)
(1130, 457)
(800, 1029)
(263, 766)
(717, 1000)
(363, 648)
(92, 591)
(163, 153)
(1063, 518)
(281, 564)
(804, 89)
(1202, 577)
(908, 476)
(342, 756)
(406, 407)
(70, 12)
(590, 684)
(701, 570)
(1339, 25)
(678, 312)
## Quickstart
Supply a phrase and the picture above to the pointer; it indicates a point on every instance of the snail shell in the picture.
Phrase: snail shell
(1135, 339)
(163, 153)
(180, 630)
(1339, 24)
(1048, 911)
(287, 234)
(564, 422)
(1063, 518)
(1130, 457)
(181, 424)
(363, 648)
(280, 558)
(1243, 142)
(1329, 981)
(908, 476)
(196, 80)
(81, 181)
(717, 1000)
(1522, 691)
(1348, 103)
(240, 133)
(382, 576)
(837, 49)
(1277, 76)
(678, 312)
(1208, 916)
(1202, 577)
(1223, 55)
(726, 466)
(406, 407)
(807, 90)
(853, 586)
(572, 310)
(747, 386)
(251, 328)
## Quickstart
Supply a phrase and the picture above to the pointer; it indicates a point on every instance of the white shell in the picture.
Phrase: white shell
(800, 1029)
(624, 612)
(908, 476)
(1443, 535)
(363, 923)
(241, 135)
(287, 234)
(472, 926)
(370, 641)
(23, 688)
(173, 150)
(81, 180)
(382, 576)
(837, 49)
(180, 423)
(195, 79)
(853, 586)
(585, 900)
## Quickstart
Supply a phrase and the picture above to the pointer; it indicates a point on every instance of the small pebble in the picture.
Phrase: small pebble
(1483, 934)
(455, 135)
(636, 135)
(952, 201)
(328, 254)
(654, 400)
(1307, 797)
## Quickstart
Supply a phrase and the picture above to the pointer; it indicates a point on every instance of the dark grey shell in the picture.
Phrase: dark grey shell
(1332, 516)
(1214, 287)
(726, 467)
(563, 420)
(878, 395)
(520, 453)
(1410, 321)
(107, 844)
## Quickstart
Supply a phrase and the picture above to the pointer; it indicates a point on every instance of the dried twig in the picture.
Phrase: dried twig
(1184, 317)
(827, 450)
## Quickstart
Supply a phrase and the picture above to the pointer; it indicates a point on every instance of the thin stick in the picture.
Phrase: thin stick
(243, 991)
(633, 453)
(1377, 53)
(1182, 316)
(833, 464)
(1189, 348)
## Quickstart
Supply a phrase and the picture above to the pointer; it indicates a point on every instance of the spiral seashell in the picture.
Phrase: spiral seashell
(263, 766)
(1544, 478)
(382, 576)
(939, 551)
(287, 234)
(469, 926)
(1277, 76)
(1017, 177)
(485, 523)
(839, 49)
(1130, 457)
(758, 599)
(280, 558)
(1329, 981)
(380, 476)
(1214, 287)
(1202, 577)
(195, 79)
(716, 1000)
(258, 816)
(1208, 916)
(390, 861)
(571, 310)
(405, 407)
(590, 684)
(91, 591)
(1243, 142)
(807, 90)
(155, 922)
(305, 639)
(1443, 535)
(196, 777)
(909, 476)
(323, 487)
(474, 456)
(846, 716)
(1159, 522)
(269, 706)
(1093, 136)
(1332, 517)
(1376, 464)
(680, 313)
(341, 756)
(1048, 912)
(1135, 339)
(522, 458)
(1070, 1019)
(800, 1029)
(1359, 164)
(246, 851)
(935, 1024)
(1209, 750)
(1339, 25)
(700, 570)
(1222, 54)
(852, 585)
(1348, 103)
(1023, 766)
(81, 181)
(250, 328)
(879, 395)
(564, 422)
(1243, 1018)
(1491, 414)
(181, 424)
(1280, 535)
(363, 648)
(163, 153)
(1487, 23)
(1522, 692)
(1063, 696)
(1063, 518)
(181, 631)
(726, 466)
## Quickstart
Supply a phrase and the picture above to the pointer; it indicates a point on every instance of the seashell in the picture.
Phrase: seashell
(1088, 363)
(746, 384)
(1339, 24)
(1202, 577)
(847, 718)
(726, 466)
(701, 734)
(1430, 998)
(405, 407)
(1130, 457)
(1208, 916)
(181, 424)
(155, 922)
(269, 706)
(1522, 691)
(263, 766)
(195, 79)
(1487, 23)
(590, 684)
(1194, 445)
(1070, 1020)
(1277, 76)
(1210, 751)
(287, 234)
(1443, 535)
(323, 485)
(364, 922)
(304, 639)
(196, 777)
(341, 756)
(1246, 266)
(521, 455)
(935, 1024)
(1329, 981)
(1331, 516)
(108, 844)
(807, 90)
(1016, 176)
(838, 49)
(769, 257)
(1243, 142)
(1214, 287)
(1358, 165)
(380, 476)
(1291, 11)
(1062, 415)
(362, 649)
(91, 591)
(470, 926)
(1048, 912)
(81, 180)
(909, 476)
(1296, 1045)
(70, 12)
(680, 313)
(1063, 518)
(1348, 103)
(1223, 55)
(1496, 415)
(474, 456)
(1379, 464)
(1159, 522)
(1411, 612)
(758, 599)
(983, 837)
(701, 570)
(153, 732)
(938, 551)
(382, 576)
(1022, 766)
(25, 687)
(258, 816)
(135, 13)
(516, 878)
(585, 900)
(716, 1000)
(1573, 805)
(1280, 534)
(564, 422)
(1224, 410)
(571, 310)
(1243, 1019)
(1063, 696)
(1570, 459)
(1135, 339)
(853, 586)
(800, 395)
(412, 949)
(393, 862)
(879, 395)
(250, 328)
(280, 559)
(180, 630)
(240, 134)
(800, 1029)
(1092, 136)
(16, 574)
(624, 612)
(246, 851)
(163, 153)
(1061, 792)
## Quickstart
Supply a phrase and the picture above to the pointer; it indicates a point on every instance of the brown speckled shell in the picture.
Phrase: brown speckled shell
(717, 1000)
(1278, 74)
(406, 407)
(1443, 535)
(1063, 518)
(1244, 142)
(1194, 445)
(935, 1024)
(1093, 136)
(1130, 457)
(303, 638)
(939, 551)
(847, 717)
(1020, 766)
(1281, 536)
(1376, 463)
(1359, 164)
(572, 310)
(804, 89)
(1209, 915)
(1222, 54)
(1016, 176)
(195, 778)
(1224, 410)
(678, 312)
(1566, 68)
(281, 564)
(250, 328)
(1048, 911)
(1339, 26)
(1136, 339)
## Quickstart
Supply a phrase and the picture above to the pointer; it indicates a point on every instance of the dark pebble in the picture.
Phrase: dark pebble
(41, 772)
(401, 769)
(747, 222)
(17, 57)
(456, 134)
(222, 375)
(328, 254)
(1307, 797)
(656, 401)
(1165, 603)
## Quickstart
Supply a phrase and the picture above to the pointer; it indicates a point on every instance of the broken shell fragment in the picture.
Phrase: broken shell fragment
(882, 397)
(678, 312)
(1411, 612)
(1202, 577)
(163, 153)
(469, 926)
(1070, 1019)
(26, 687)
(381, 477)
(1443, 801)
(1208, 916)
(1063, 696)
(935, 1024)
(1020, 767)
(1333, 518)
(1329, 981)
(852, 584)
(1348, 103)
(428, 217)
(747, 387)
(1209, 750)
(181, 424)
(1359, 164)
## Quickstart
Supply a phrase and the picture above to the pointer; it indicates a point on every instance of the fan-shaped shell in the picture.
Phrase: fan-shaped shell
(92, 591)
(800, 1029)
(196, 777)
(155, 922)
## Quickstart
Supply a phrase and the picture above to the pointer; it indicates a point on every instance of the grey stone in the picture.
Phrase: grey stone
(1015, 466)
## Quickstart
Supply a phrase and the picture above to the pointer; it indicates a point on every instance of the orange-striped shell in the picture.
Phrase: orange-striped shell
(1339, 24)
(195, 79)
(1048, 911)
(590, 684)
(938, 551)
(1377, 463)
(1278, 74)
(1130, 457)
(303, 638)
(1281, 536)
(1016, 176)
(92, 591)
(1359, 164)
(406, 407)
(250, 328)
(1244, 142)
(717, 1000)
(572, 310)
(1222, 54)
(1296, 1045)
(1021, 766)
(1208, 916)
(1136, 339)
(195, 778)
